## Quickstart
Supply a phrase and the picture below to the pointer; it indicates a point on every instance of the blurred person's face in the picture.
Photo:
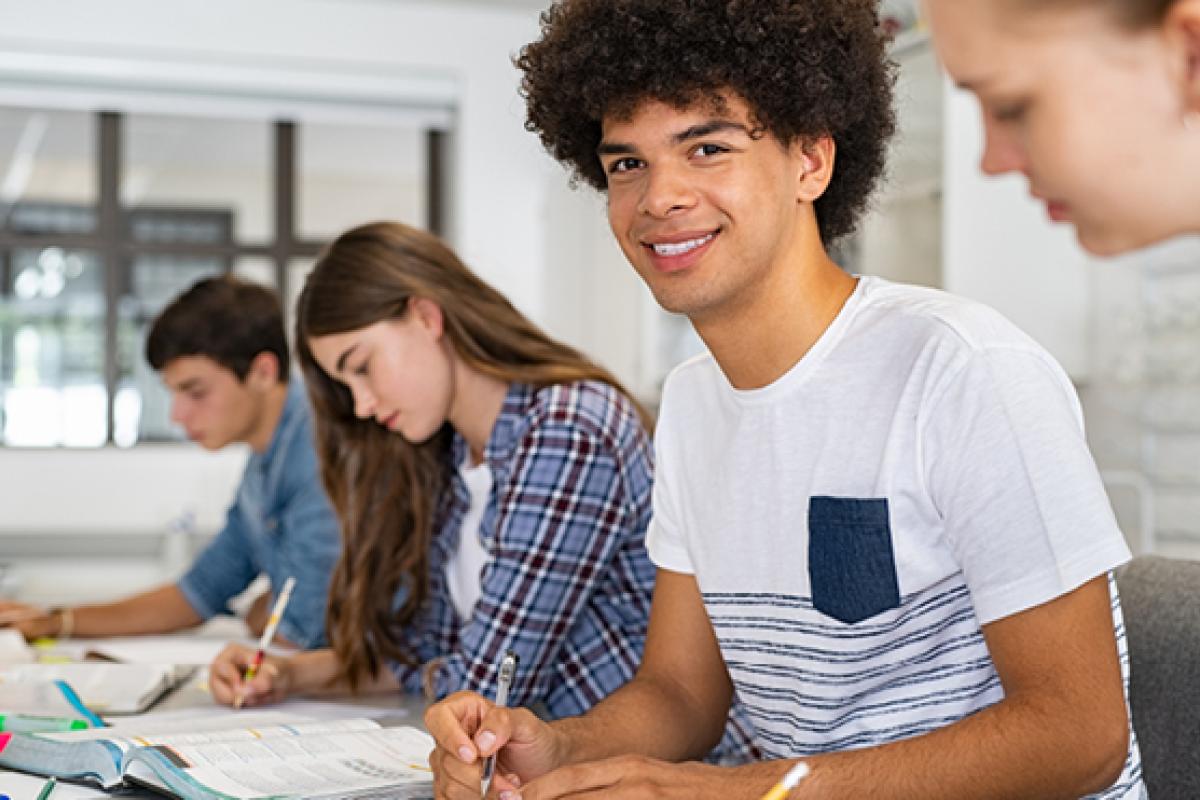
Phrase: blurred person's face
(400, 372)
(1102, 120)
(212, 406)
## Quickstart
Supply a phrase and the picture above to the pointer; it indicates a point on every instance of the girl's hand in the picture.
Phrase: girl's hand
(270, 685)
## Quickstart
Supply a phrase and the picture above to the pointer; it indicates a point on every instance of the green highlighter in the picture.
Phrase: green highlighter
(26, 723)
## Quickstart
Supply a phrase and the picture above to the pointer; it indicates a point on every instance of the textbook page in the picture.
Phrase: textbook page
(98, 755)
(311, 762)
(186, 722)
(247, 731)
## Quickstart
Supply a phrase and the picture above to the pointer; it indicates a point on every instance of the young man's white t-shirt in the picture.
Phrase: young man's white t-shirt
(921, 472)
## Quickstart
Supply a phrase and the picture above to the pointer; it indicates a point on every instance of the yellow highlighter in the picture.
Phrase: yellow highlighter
(790, 781)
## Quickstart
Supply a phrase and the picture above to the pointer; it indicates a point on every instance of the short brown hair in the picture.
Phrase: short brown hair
(227, 319)
(806, 68)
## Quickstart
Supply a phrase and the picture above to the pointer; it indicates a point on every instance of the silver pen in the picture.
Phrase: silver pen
(507, 668)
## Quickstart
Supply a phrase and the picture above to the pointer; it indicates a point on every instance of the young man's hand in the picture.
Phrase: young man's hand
(468, 728)
(640, 778)
(270, 685)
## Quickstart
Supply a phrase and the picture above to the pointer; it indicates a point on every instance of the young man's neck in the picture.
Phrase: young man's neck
(756, 341)
(272, 411)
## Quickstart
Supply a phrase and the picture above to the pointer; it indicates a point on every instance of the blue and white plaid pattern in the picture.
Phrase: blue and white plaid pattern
(568, 583)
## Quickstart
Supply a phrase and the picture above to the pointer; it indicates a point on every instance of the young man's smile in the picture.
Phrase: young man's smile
(676, 252)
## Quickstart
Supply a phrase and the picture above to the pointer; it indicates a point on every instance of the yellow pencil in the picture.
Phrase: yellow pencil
(268, 634)
(790, 781)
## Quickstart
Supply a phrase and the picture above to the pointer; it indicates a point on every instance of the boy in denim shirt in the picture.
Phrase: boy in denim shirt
(222, 352)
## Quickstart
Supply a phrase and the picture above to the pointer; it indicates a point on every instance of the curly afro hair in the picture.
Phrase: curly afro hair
(806, 68)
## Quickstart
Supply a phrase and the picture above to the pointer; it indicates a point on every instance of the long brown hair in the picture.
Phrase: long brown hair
(386, 490)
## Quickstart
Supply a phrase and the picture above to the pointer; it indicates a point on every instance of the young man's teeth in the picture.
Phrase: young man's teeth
(681, 247)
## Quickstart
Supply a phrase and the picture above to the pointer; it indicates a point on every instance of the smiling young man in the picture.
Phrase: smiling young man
(223, 354)
(876, 521)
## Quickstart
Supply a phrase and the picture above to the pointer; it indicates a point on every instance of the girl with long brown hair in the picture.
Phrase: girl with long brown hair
(493, 487)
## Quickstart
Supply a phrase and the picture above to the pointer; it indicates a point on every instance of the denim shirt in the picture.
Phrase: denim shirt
(281, 523)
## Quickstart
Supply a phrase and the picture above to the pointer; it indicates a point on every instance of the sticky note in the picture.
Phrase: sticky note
(5, 738)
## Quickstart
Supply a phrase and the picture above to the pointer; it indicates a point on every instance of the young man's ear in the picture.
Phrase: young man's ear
(264, 372)
(1181, 26)
(429, 314)
(814, 160)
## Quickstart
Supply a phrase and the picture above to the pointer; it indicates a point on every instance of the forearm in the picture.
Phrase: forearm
(653, 716)
(317, 672)
(160, 610)
(1030, 749)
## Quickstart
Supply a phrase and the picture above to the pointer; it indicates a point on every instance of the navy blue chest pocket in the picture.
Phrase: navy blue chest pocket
(851, 565)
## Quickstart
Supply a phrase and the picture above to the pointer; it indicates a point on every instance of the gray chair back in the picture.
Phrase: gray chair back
(1160, 598)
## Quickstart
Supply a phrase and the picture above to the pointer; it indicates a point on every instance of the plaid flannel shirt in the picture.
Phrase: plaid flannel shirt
(568, 582)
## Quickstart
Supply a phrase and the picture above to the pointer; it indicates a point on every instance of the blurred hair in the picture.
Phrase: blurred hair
(227, 319)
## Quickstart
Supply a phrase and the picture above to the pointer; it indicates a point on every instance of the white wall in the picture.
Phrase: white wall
(499, 180)
(598, 303)
(999, 247)
(901, 238)
(142, 489)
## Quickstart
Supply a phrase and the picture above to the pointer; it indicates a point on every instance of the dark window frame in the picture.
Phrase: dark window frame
(113, 241)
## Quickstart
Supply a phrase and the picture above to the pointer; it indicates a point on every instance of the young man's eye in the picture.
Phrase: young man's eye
(709, 149)
(623, 165)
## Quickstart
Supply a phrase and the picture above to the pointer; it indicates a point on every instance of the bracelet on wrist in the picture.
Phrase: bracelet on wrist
(66, 622)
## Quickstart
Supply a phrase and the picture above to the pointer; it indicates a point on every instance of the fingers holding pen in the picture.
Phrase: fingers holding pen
(454, 780)
(227, 682)
(225, 673)
(468, 728)
(264, 688)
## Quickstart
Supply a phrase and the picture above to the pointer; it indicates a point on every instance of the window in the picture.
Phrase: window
(104, 218)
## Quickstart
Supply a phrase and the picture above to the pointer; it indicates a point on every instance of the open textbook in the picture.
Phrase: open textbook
(103, 688)
(345, 758)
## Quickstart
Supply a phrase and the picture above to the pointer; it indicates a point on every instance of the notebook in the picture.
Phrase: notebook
(348, 758)
(13, 649)
(104, 688)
